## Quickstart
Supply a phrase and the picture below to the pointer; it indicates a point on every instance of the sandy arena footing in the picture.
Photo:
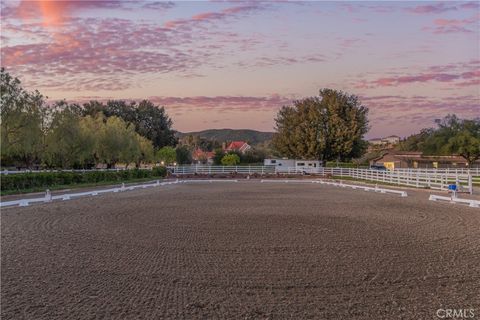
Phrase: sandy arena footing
(240, 251)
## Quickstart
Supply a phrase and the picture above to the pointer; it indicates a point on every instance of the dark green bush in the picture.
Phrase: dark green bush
(341, 164)
(25, 181)
(159, 171)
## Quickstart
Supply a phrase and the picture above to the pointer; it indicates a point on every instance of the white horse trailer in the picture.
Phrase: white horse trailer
(293, 165)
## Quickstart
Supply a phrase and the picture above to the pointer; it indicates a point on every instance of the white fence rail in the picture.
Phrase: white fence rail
(48, 197)
(68, 196)
(471, 203)
(420, 178)
(201, 169)
(340, 184)
(438, 179)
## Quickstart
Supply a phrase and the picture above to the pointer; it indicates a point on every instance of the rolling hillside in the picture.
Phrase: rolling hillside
(251, 136)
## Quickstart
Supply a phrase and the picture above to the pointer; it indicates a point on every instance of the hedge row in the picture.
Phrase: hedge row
(23, 181)
(335, 164)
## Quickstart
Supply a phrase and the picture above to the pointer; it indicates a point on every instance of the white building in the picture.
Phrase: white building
(392, 139)
(376, 141)
(292, 164)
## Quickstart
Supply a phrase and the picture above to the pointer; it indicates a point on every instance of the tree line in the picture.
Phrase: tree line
(69, 135)
(451, 136)
(66, 135)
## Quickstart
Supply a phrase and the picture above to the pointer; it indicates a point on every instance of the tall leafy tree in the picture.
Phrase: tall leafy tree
(452, 136)
(455, 136)
(23, 122)
(117, 142)
(415, 142)
(145, 150)
(149, 120)
(183, 155)
(153, 123)
(330, 126)
(167, 155)
(68, 143)
(218, 155)
(92, 128)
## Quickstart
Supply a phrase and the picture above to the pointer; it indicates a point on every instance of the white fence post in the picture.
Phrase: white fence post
(470, 184)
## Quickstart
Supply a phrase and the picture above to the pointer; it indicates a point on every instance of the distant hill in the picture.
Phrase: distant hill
(253, 137)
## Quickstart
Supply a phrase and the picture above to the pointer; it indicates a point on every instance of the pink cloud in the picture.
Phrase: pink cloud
(54, 12)
(357, 7)
(211, 16)
(432, 8)
(93, 49)
(282, 60)
(404, 115)
(471, 5)
(462, 74)
(445, 26)
(224, 103)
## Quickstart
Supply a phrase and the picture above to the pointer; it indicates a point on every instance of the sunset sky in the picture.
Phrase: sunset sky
(224, 64)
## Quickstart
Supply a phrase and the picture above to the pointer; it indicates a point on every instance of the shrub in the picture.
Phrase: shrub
(230, 159)
(159, 171)
(25, 181)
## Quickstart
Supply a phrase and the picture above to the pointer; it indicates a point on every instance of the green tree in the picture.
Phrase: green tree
(230, 159)
(455, 136)
(328, 127)
(467, 144)
(217, 158)
(145, 150)
(253, 156)
(116, 142)
(452, 136)
(23, 122)
(153, 123)
(149, 120)
(415, 142)
(183, 155)
(92, 128)
(68, 143)
(167, 155)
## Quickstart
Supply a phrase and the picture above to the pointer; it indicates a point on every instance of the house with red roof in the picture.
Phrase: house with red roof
(200, 156)
(240, 146)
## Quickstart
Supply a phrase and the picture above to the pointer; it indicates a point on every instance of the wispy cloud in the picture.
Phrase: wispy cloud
(443, 26)
(224, 103)
(282, 60)
(456, 74)
(439, 7)
(94, 49)
(215, 15)
(53, 13)
(405, 115)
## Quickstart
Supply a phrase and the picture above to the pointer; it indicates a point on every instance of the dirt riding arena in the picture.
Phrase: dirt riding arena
(245, 250)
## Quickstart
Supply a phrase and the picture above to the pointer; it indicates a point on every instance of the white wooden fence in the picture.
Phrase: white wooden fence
(419, 178)
(438, 179)
(339, 184)
(453, 199)
(48, 197)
